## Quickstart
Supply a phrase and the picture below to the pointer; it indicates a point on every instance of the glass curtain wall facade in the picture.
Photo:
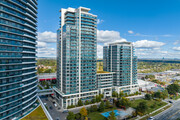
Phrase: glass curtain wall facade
(120, 58)
(76, 53)
(18, 80)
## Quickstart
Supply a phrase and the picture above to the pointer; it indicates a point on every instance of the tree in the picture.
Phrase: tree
(157, 94)
(173, 89)
(112, 116)
(70, 116)
(40, 70)
(164, 94)
(150, 77)
(78, 116)
(98, 98)
(121, 94)
(93, 100)
(93, 108)
(107, 104)
(80, 103)
(48, 71)
(86, 102)
(142, 107)
(83, 112)
(123, 102)
(101, 107)
(114, 94)
(101, 95)
(47, 86)
(148, 97)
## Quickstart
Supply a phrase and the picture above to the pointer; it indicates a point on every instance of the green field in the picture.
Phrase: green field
(152, 104)
(37, 114)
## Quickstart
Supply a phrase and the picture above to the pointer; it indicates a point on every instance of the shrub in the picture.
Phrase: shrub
(78, 116)
(86, 102)
(71, 106)
(107, 104)
(139, 113)
(80, 103)
(101, 107)
(142, 107)
(148, 97)
(93, 108)
(93, 100)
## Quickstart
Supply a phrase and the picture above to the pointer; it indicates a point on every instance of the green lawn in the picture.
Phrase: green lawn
(98, 116)
(152, 104)
(176, 97)
(37, 114)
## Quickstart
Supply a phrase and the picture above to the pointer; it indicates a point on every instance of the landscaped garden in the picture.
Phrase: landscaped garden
(147, 105)
(120, 106)
(37, 114)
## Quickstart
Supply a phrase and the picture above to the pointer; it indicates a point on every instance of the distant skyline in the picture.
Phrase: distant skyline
(152, 25)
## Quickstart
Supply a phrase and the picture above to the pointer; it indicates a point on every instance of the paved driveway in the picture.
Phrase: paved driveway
(55, 114)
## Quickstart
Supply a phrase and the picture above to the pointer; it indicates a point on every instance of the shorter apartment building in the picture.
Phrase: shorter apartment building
(105, 83)
(119, 58)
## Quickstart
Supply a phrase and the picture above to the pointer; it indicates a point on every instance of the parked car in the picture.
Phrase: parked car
(51, 107)
(57, 118)
(170, 102)
(55, 104)
(65, 111)
(150, 118)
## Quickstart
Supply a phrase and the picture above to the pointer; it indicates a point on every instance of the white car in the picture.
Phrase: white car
(55, 105)
(150, 118)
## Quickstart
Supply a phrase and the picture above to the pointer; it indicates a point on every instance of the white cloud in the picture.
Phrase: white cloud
(176, 48)
(99, 21)
(130, 32)
(148, 44)
(41, 44)
(176, 42)
(47, 36)
(104, 36)
(166, 35)
(46, 52)
(100, 51)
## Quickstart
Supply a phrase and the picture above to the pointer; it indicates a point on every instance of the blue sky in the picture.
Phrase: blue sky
(152, 25)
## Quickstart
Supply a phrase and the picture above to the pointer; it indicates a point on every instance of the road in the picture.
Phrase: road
(54, 112)
(170, 114)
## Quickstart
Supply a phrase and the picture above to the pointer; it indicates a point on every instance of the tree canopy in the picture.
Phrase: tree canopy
(70, 116)
(83, 112)
(173, 89)
(101, 107)
(142, 107)
(112, 116)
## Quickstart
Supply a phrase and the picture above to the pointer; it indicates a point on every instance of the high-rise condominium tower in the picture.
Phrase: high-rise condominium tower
(17, 57)
(76, 56)
(120, 59)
